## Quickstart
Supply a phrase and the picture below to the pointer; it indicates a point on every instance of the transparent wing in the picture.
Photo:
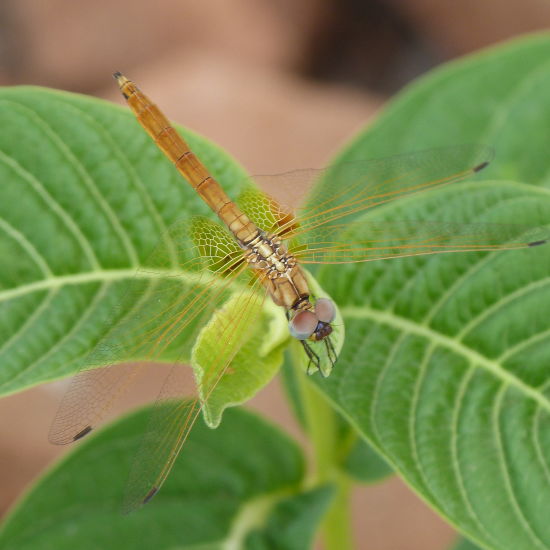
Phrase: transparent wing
(161, 310)
(376, 240)
(344, 191)
(173, 416)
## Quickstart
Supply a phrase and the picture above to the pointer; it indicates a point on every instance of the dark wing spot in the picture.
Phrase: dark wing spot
(536, 243)
(481, 166)
(150, 495)
(82, 433)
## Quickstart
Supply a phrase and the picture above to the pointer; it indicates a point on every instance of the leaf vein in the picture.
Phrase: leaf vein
(95, 276)
(413, 417)
(69, 221)
(533, 339)
(536, 443)
(455, 461)
(378, 383)
(81, 170)
(29, 320)
(29, 248)
(138, 182)
(98, 295)
(502, 302)
(507, 481)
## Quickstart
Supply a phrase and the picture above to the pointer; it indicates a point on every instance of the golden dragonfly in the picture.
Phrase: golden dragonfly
(258, 249)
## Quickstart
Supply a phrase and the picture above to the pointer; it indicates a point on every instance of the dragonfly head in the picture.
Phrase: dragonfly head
(313, 324)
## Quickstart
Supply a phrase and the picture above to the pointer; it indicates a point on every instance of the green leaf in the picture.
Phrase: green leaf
(85, 197)
(240, 480)
(445, 365)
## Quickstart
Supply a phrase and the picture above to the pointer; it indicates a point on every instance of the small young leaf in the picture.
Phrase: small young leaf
(260, 328)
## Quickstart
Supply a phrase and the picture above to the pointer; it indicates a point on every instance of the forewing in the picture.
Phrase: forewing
(347, 190)
(173, 416)
(341, 193)
(164, 306)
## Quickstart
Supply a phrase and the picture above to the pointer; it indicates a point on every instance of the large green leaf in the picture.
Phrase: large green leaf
(241, 481)
(85, 197)
(446, 365)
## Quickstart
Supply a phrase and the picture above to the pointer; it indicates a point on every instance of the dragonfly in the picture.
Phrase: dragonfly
(256, 251)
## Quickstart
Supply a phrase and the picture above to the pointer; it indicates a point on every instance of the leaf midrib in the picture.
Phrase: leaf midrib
(474, 357)
(104, 275)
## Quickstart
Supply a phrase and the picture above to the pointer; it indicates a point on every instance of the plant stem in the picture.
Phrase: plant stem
(323, 432)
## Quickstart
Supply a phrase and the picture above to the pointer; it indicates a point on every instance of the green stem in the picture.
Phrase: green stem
(323, 431)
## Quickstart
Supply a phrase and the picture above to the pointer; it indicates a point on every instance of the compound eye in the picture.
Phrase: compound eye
(325, 310)
(303, 325)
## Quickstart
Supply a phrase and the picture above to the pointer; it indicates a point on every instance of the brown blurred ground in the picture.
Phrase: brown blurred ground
(280, 85)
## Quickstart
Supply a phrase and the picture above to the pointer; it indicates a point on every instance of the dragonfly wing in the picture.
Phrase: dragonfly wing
(376, 240)
(342, 192)
(347, 190)
(163, 307)
(173, 416)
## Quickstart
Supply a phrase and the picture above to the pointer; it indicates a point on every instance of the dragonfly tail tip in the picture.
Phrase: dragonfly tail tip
(120, 78)
(536, 243)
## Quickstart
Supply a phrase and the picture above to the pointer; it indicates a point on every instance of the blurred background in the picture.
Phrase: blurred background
(279, 84)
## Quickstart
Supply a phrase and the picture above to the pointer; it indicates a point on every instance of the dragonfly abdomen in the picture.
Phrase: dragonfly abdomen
(189, 166)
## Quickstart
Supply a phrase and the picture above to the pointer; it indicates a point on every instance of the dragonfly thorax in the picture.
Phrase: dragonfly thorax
(277, 269)
(268, 254)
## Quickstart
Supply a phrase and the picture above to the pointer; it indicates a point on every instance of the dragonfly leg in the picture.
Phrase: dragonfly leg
(314, 361)
(331, 352)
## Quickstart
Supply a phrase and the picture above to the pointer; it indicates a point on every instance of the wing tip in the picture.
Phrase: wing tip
(537, 243)
(481, 166)
(150, 495)
(131, 504)
(85, 431)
